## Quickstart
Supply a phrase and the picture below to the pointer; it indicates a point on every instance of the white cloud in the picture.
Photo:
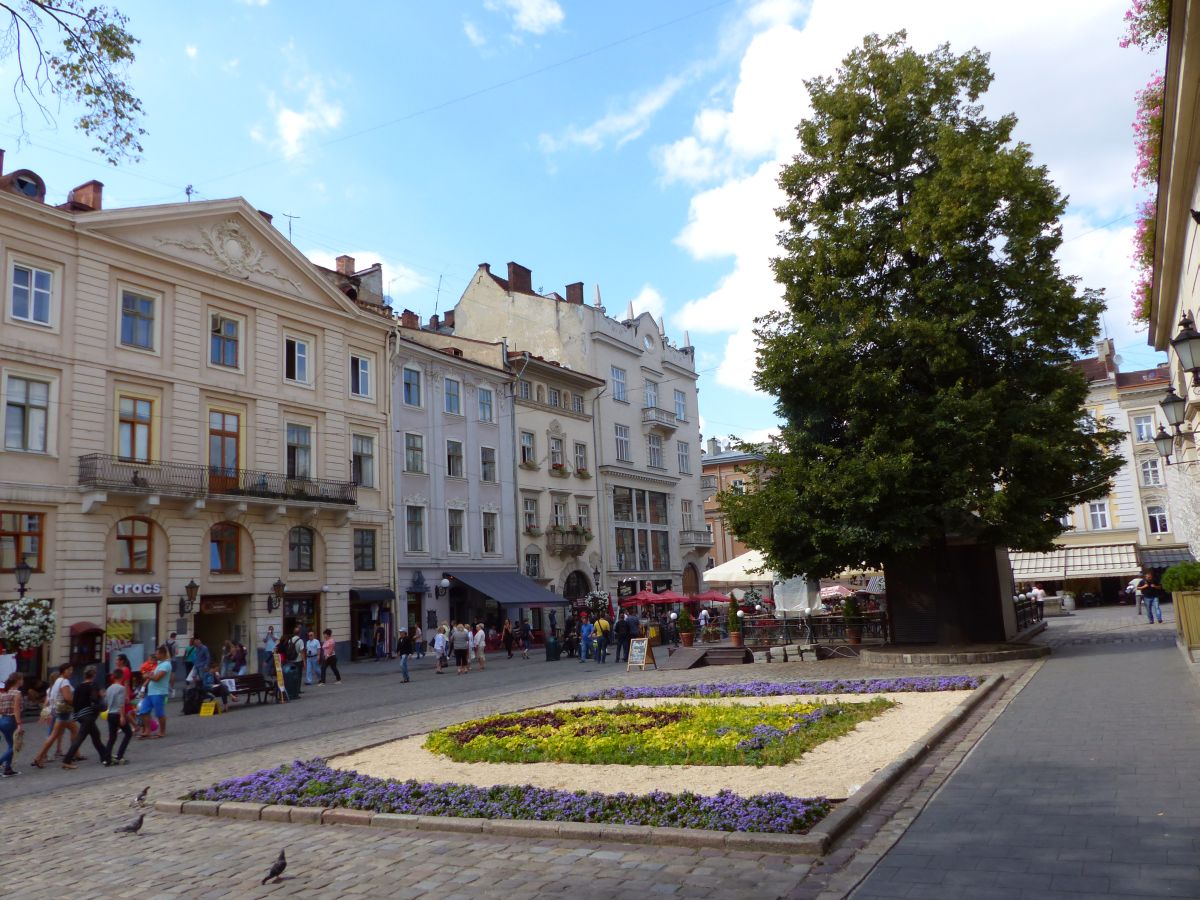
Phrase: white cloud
(533, 16)
(474, 35)
(397, 278)
(315, 114)
(191, 51)
(621, 126)
(231, 66)
(648, 300)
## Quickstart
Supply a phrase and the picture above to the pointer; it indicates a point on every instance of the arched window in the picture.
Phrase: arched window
(223, 549)
(134, 545)
(575, 586)
(300, 549)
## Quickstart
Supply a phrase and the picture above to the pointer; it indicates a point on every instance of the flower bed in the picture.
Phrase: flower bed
(703, 734)
(313, 783)
(784, 688)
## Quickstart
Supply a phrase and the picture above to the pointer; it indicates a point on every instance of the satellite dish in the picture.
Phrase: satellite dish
(1117, 360)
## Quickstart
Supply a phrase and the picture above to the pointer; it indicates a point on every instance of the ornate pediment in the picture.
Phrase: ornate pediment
(456, 503)
(232, 250)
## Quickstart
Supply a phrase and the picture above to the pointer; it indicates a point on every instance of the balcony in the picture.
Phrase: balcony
(101, 472)
(661, 419)
(568, 540)
(708, 486)
(694, 538)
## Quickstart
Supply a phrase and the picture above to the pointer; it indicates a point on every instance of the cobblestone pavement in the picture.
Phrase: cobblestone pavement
(60, 823)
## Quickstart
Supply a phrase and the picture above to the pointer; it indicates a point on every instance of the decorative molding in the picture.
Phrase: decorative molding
(489, 508)
(555, 428)
(229, 244)
(416, 500)
(457, 503)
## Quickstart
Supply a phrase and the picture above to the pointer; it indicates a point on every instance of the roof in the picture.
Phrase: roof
(1144, 377)
(1095, 368)
(730, 456)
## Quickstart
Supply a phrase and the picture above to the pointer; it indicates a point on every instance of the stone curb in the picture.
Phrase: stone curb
(963, 658)
(834, 825)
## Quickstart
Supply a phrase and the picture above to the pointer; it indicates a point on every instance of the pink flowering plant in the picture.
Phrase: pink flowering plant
(25, 624)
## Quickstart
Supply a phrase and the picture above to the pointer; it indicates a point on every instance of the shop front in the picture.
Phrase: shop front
(132, 623)
(370, 610)
(303, 610)
(222, 618)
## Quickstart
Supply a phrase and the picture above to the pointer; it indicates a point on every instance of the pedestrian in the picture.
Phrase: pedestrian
(418, 641)
(380, 646)
(585, 640)
(439, 648)
(154, 704)
(460, 642)
(621, 630)
(60, 702)
(329, 657)
(10, 722)
(312, 657)
(1152, 596)
(189, 660)
(124, 669)
(601, 634)
(526, 639)
(635, 626)
(116, 701)
(296, 646)
(214, 689)
(1039, 600)
(270, 642)
(404, 649)
(201, 660)
(87, 703)
(479, 641)
(227, 662)
(506, 636)
(703, 618)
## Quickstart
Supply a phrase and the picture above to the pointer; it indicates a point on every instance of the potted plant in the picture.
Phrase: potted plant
(735, 628)
(853, 618)
(533, 531)
(587, 535)
(1183, 581)
(583, 473)
(687, 628)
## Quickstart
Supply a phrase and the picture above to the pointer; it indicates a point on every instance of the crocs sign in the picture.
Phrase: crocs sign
(125, 590)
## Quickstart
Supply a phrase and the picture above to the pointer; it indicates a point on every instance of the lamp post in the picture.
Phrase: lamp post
(1187, 347)
(22, 570)
(188, 603)
(275, 598)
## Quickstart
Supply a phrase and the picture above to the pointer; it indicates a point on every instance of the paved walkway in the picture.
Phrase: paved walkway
(1084, 786)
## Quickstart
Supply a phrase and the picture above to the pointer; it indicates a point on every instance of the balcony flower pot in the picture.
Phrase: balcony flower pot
(588, 536)
(532, 466)
(534, 532)
(583, 473)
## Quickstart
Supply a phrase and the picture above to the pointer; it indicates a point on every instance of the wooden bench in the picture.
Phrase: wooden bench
(255, 685)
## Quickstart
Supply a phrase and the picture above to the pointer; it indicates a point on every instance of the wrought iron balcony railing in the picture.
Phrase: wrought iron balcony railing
(104, 472)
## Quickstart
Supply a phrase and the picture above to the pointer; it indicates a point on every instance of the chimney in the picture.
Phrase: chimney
(266, 215)
(433, 322)
(1, 162)
(448, 319)
(487, 267)
(520, 279)
(87, 195)
(575, 293)
(345, 265)
(409, 319)
(714, 446)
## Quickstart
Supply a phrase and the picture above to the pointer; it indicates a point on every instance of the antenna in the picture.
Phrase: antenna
(438, 296)
(189, 190)
(289, 218)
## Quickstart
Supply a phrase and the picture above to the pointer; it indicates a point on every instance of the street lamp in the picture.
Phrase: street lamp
(1173, 407)
(443, 587)
(22, 570)
(275, 598)
(1164, 443)
(1187, 347)
(187, 604)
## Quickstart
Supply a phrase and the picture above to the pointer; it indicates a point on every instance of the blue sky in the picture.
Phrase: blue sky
(628, 144)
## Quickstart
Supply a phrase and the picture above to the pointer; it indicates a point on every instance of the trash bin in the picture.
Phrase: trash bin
(553, 648)
(292, 673)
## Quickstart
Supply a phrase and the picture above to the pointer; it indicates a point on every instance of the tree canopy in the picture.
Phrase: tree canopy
(79, 54)
(922, 360)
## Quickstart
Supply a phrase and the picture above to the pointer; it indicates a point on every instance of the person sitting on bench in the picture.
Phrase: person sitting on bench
(212, 687)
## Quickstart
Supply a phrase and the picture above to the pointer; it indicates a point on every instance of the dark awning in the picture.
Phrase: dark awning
(1168, 556)
(372, 595)
(509, 588)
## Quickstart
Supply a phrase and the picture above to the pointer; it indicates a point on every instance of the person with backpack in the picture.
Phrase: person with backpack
(87, 702)
(621, 630)
(526, 639)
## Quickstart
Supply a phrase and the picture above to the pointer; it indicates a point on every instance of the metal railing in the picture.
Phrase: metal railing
(105, 472)
(1027, 614)
(770, 631)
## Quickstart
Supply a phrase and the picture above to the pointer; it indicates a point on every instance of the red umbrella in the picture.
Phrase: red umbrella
(711, 597)
(639, 598)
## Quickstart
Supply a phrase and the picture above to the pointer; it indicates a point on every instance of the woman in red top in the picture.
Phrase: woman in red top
(329, 657)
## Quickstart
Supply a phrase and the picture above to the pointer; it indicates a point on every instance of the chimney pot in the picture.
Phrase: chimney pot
(575, 293)
(520, 279)
(409, 319)
(345, 265)
(433, 322)
(88, 195)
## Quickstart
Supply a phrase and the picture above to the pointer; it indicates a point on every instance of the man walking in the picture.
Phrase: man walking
(312, 657)
(601, 634)
(404, 649)
(265, 664)
(201, 660)
(621, 630)
(586, 629)
(1151, 597)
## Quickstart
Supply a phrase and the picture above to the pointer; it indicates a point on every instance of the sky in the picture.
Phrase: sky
(633, 146)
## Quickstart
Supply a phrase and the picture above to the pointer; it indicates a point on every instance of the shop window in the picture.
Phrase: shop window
(300, 549)
(135, 537)
(132, 629)
(223, 557)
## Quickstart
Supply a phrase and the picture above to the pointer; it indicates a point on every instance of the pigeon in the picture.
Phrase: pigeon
(139, 802)
(132, 827)
(277, 868)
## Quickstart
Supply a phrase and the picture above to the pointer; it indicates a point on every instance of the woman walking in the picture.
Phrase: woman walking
(418, 642)
(461, 643)
(61, 703)
(329, 657)
(507, 637)
(116, 701)
(439, 648)
(10, 721)
(478, 642)
(87, 710)
(227, 651)
(404, 649)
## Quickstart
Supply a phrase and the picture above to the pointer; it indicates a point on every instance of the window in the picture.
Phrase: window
(133, 545)
(528, 449)
(453, 397)
(627, 558)
(680, 406)
(523, 390)
(557, 459)
(412, 387)
(533, 565)
(1143, 428)
(414, 452)
(414, 529)
(360, 376)
(223, 549)
(21, 539)
(223, 341)
(529, 508)
(362, 460)
(299, 451)
(26, 412)
(1151, 473)
(647, 546)
(583, 512)
(683, 450)
(133, 428)
(685, 515)
(487, 464)
(1098, 514)
(1158, 519)
(623, 448)
(491, 532)
(654, 454)
(737, 486)
(562, 516)
(137, 320)
(295, 360)
(580, 456)
(577, 403)
(618, 384)
(364, 549)
(623, 504)
(555, 398)
(454, 459)
(486, 407)
(1068, 521)
(31, 292)
(454, 530)
(300, 549)
(651, 394)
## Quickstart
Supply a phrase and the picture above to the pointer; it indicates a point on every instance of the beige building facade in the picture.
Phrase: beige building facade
(188, 401)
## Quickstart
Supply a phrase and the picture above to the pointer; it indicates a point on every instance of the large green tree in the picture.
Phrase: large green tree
(922, 362)
(78, 53)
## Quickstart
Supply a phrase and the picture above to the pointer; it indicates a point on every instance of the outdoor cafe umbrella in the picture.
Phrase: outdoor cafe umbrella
(710, 597)
(651, 597)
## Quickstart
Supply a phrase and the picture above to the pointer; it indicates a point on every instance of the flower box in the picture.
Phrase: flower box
(533, 531)
(582, 473)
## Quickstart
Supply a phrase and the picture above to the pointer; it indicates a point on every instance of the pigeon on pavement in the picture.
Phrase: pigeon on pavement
(139, 802)
(277, 868)
(132, 827)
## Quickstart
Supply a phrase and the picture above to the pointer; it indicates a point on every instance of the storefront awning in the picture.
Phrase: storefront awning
(1162, 559)
(372, 595)
(1066, 563)
(509, 588)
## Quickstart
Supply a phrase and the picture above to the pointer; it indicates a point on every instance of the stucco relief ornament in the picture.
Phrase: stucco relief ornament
(416, 500)
(229, 244)
(456, 503)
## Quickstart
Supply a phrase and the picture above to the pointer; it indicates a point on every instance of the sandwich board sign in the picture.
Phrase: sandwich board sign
(640, 655)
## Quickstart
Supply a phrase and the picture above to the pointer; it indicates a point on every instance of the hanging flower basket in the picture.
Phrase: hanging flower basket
(26, 624)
